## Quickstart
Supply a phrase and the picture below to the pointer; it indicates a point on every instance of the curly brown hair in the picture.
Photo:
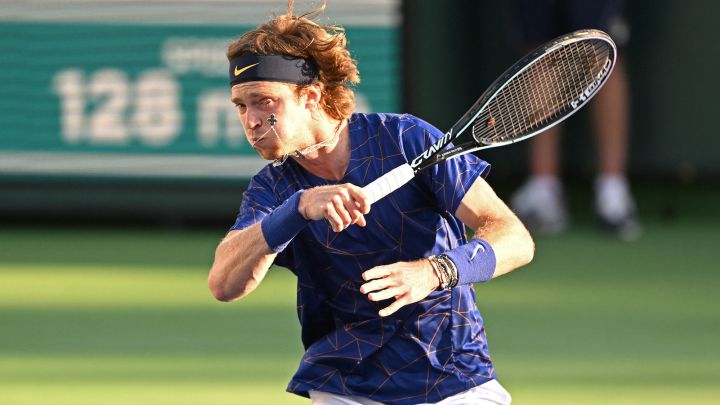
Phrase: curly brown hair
(299, 36)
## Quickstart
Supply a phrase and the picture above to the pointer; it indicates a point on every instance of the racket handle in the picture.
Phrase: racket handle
(389, 182)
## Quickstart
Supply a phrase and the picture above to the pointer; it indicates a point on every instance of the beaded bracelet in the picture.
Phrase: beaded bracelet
(445, 271)
(442, 277)
(450, 269)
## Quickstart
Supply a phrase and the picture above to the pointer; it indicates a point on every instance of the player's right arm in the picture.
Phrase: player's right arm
(244, 256)
(241, 261)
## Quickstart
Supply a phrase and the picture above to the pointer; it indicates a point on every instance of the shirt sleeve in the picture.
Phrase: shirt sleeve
(448, 180)
(258, 201)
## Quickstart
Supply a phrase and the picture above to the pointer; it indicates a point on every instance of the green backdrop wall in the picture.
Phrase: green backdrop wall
(122, 99)
(120, 111)
(121, 107)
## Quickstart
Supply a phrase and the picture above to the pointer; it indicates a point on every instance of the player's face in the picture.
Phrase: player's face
(255, 101)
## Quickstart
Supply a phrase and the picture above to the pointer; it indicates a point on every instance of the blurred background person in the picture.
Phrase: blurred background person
(540, 201)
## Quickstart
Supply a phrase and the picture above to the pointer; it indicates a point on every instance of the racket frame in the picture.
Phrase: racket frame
(397, 177)
(437, 153)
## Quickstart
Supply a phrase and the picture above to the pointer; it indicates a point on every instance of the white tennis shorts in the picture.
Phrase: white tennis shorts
(490, 393)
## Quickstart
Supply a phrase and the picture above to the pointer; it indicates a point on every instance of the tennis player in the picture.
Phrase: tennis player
(385, 294)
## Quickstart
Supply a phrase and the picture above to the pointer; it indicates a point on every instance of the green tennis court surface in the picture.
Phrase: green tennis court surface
(124, 317)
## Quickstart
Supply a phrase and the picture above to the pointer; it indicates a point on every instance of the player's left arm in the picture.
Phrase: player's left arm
(491, 219)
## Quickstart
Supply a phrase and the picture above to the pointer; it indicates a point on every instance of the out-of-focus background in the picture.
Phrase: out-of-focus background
(122, 164)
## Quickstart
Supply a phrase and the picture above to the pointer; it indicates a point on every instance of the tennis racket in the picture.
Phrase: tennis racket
(537, 92)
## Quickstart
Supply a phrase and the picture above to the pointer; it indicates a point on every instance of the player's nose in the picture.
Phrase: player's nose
(253, 120)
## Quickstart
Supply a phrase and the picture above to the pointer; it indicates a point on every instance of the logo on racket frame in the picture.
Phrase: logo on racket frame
(439, 144)
(594, 85)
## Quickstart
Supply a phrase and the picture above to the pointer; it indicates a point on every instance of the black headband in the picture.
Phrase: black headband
(272, 68)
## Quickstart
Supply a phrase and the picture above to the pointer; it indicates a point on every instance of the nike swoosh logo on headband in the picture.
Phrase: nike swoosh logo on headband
(238, 71)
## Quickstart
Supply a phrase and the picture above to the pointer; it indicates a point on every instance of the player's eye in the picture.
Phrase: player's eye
(241, 107)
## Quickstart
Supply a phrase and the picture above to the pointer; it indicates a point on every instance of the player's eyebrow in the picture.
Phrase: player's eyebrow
(239, 100)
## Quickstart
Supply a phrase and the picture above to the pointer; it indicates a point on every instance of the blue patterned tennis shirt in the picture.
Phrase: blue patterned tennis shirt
(424, 352)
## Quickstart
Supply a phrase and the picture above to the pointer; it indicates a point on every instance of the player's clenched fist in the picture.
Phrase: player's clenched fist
(341, 205)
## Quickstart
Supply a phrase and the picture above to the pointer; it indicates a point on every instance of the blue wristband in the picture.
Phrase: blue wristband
(283, 224)
(475, 261)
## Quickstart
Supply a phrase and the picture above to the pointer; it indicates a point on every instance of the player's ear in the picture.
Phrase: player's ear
(312, 96)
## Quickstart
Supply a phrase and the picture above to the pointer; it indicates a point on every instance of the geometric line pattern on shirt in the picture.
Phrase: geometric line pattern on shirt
(421, 339)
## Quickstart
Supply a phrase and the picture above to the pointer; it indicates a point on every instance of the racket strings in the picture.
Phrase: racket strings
(564, 77)
(536, 101)
(542, 93)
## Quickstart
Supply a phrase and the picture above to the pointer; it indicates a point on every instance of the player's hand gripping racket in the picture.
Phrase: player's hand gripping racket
(536, 93)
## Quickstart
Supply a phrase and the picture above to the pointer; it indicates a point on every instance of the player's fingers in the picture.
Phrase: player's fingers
(359, 196)
(386, 293)
(333, 218)
(397, 304)
(357, 213)
(346, 198)
(376, 272)
(352, 209)
(374, 285)
(342, 212)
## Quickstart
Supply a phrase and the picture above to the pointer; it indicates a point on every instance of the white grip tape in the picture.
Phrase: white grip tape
(389, 182)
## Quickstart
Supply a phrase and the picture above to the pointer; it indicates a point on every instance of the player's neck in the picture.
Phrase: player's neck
(331, 161)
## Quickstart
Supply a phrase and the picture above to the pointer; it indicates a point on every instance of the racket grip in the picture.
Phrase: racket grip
(389, 182)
